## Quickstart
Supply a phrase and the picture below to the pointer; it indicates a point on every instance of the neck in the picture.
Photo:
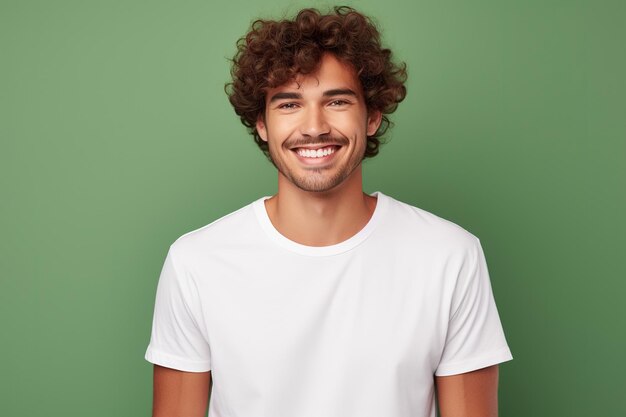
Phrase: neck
(320, 218)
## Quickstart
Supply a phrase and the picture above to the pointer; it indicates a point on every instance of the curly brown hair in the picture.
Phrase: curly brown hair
(275, 52)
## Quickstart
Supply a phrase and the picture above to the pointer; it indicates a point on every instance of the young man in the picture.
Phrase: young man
(323, 301)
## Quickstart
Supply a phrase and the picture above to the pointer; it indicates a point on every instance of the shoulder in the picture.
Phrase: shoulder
(416, 226)
(222, 233)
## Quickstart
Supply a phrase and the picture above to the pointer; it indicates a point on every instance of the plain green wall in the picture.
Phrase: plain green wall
(117, 137)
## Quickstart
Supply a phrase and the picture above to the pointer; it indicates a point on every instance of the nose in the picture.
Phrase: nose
(314, 123)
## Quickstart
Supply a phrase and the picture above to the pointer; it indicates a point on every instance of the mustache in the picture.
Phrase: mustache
(319, 140)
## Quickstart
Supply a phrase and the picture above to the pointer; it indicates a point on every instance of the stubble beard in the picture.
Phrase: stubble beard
(316, 179)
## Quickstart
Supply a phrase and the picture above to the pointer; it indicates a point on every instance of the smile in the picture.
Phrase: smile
(316, 153)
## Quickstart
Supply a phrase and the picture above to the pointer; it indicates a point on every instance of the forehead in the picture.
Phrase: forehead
(331, 74)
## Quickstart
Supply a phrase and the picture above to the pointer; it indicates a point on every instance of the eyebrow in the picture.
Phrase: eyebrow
(339, 92)
(328, 93)
(285, 95)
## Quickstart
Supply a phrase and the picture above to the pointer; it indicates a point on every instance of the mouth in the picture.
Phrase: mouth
(316, 151)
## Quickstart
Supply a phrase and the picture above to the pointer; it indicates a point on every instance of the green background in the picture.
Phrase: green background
(117, 138)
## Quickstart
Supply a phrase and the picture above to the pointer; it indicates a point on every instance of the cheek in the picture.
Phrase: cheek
(281, 127)
(350, 124)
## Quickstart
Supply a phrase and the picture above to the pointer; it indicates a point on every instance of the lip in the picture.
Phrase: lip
(316, 146)
(316, 161)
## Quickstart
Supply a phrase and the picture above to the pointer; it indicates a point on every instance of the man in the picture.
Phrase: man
(323, 301)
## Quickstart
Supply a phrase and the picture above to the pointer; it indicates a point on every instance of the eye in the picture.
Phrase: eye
(338, 102)
(287, 106)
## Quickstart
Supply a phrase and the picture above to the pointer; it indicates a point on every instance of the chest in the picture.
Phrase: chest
(334, 318)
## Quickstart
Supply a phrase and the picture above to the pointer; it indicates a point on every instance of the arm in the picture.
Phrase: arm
(472, 394)
(179, 393)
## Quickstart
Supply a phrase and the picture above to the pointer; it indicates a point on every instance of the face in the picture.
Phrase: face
(317, 127)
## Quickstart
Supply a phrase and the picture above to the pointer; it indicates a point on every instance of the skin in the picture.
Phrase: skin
(472, 394)
(320, 202)
(180, 394)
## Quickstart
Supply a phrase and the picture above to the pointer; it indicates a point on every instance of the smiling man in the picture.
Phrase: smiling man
(322, 300)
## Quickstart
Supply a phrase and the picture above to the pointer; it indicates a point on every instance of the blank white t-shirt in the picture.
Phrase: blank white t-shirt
(356, 329)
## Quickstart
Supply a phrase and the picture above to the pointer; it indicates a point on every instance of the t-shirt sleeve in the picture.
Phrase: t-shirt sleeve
(177, 340)
(475, 338)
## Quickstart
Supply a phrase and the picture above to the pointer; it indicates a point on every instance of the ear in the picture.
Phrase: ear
(374, 118)
(261, 128)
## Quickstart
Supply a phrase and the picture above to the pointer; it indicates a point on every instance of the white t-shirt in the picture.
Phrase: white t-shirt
(356, 329)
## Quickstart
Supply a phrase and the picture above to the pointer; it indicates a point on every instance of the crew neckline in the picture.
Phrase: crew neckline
(341, 247)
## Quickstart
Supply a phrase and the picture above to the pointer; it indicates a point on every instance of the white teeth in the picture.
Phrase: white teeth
(315, 153)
